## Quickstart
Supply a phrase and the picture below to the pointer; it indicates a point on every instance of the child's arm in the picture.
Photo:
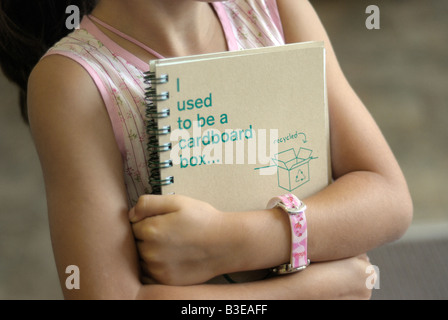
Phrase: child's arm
(88, 212)
(342, 279)
(368, 204)
(83, 176)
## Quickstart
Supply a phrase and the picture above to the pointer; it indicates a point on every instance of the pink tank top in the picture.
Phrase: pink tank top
(118, 74)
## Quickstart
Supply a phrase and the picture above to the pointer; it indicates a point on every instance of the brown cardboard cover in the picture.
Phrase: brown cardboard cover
(276, 94)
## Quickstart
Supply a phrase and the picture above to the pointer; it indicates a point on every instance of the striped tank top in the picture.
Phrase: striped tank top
(119, 75)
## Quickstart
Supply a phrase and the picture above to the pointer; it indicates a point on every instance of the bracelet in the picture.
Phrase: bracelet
(296, 212)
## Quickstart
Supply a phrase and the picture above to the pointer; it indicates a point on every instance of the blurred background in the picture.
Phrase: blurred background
(400, 71)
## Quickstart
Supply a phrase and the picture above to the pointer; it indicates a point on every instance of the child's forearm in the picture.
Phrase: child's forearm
(343, 279)
(357, 213)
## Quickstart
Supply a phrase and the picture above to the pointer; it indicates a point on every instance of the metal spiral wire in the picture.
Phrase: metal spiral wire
(154, 148)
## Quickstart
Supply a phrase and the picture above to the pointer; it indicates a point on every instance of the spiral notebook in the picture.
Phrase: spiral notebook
(236, 128)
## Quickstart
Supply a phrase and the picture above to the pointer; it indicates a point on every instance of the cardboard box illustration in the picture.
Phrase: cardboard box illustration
(293, 170)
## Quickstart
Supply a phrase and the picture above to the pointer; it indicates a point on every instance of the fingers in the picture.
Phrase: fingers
(364, 257)
(143, 232)
(152, 205)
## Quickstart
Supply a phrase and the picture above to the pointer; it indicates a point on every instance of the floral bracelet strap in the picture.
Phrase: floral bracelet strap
(296, 212)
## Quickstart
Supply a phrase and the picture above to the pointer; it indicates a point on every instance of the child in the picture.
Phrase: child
(86, 112)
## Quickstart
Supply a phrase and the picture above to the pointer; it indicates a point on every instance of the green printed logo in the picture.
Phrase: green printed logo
(293, 169)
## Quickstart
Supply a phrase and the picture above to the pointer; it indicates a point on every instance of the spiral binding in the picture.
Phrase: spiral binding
(153, 131)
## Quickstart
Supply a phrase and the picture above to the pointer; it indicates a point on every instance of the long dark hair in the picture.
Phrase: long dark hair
(27, 30)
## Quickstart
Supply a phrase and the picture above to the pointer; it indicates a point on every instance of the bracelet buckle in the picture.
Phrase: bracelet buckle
(294, 209)
(288, 268)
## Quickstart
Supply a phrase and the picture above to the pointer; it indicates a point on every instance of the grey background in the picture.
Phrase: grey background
(400, 72)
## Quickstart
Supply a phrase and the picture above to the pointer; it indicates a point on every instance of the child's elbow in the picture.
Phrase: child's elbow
(404, 213)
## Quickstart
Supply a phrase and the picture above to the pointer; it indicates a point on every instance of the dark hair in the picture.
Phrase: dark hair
(27, 30)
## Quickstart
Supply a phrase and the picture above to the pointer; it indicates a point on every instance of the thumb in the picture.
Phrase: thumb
(149, 206)
(132, 216)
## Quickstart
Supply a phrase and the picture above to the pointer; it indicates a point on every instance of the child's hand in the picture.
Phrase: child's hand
(178, 238)
(344, 279)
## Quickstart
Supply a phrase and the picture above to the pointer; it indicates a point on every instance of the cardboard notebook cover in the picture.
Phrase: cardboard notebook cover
(245, 126)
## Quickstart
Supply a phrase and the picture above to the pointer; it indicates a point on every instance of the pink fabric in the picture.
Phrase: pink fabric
(299, 235)
(273, 9)
(119, 75)
(250, 23)
(226, 23)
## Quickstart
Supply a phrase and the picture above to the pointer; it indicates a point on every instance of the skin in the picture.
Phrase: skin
(369, 200)
(89, 220)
